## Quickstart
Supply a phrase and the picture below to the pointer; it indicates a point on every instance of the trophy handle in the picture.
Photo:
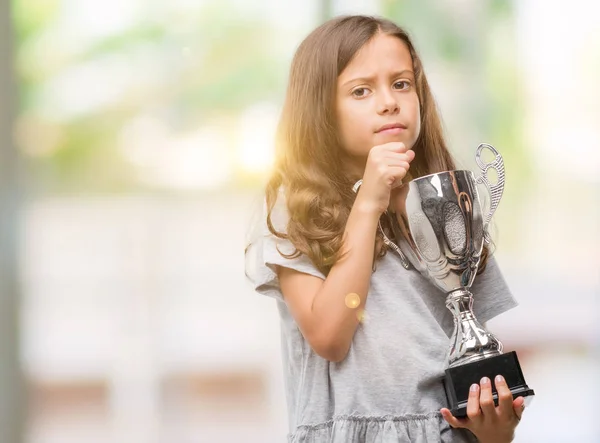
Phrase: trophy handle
(393, 245)
(495, 190)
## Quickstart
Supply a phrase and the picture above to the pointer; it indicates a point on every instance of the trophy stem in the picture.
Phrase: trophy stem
(470, 340)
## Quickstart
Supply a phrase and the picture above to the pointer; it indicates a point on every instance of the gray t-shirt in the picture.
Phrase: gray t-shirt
(389, 387)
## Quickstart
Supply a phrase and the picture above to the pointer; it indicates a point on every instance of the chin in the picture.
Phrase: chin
(389, 138)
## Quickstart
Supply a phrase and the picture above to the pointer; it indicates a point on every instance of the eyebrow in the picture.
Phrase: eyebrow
(370, 78)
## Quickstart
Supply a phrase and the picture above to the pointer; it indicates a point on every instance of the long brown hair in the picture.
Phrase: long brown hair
(317, 191)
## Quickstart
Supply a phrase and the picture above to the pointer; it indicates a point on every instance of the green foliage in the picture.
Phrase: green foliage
(204, 64)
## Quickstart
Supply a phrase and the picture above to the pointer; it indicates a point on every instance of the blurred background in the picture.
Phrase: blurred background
(135, 138)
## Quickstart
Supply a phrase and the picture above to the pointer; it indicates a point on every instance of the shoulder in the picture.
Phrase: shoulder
(265, 251)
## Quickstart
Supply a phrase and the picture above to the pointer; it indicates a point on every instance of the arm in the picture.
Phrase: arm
(319, 306)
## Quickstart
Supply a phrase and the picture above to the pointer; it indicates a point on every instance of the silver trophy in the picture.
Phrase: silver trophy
(440, 228)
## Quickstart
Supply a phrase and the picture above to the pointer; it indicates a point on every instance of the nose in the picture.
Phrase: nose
(387, 103)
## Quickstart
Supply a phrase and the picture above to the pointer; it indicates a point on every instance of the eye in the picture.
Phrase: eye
(402, 85)
(360, 92)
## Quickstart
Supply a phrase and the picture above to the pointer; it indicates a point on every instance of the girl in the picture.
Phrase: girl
(364, 352)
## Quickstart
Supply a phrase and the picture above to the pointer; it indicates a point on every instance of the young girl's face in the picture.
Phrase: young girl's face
(375, 90)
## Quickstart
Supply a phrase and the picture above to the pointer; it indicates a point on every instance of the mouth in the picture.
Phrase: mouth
(392, 128)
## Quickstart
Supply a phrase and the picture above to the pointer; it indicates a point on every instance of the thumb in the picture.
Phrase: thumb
(452, 420)
(397, 183)
(519, 407)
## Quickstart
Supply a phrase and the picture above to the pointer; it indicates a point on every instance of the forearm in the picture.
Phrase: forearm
(344, 292)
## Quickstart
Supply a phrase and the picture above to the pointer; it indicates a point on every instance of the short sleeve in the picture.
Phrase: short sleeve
(264, 254)
(491, 294)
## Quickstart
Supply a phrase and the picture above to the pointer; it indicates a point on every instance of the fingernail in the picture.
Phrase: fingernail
(474, 387)
(499, 379)
(485, 381)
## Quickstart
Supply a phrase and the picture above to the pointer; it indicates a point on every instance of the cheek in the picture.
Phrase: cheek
(353, 125)
(418, 120)
(416, 115)
(352, 114)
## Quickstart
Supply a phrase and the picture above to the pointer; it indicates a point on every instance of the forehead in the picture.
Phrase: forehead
(383, 53)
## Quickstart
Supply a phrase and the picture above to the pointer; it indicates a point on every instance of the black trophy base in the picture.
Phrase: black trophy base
(459, 379)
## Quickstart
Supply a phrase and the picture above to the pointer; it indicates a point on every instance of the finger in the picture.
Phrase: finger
(396, 157)
(518, 406)
(452, 420)
(473, 410)
(397, 183)
(396, 173)
(486, 400)
(406, 156)
(398, 163)
(505, 398)
(394, 147)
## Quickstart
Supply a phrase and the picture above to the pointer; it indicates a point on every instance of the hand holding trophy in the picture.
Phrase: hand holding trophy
(440, 229)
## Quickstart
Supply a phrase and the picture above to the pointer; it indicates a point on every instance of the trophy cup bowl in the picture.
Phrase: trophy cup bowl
(440, 229)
